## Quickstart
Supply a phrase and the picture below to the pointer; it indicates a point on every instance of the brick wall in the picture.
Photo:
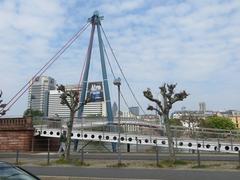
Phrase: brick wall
(14, 139)
(16, 134)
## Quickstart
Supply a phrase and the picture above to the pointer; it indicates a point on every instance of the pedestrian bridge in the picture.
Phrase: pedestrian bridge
(145, 133)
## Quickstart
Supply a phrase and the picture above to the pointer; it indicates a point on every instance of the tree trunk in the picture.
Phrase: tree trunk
(69, 133)
(170, 138)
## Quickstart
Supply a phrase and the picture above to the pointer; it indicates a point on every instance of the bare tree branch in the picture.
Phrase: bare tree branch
(61, 88)
(163, 89)
(64, 100)
(151, 108)
(148, 95)
(179, 97)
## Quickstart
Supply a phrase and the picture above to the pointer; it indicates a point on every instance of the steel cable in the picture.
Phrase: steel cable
(45, 67)
(121, 70)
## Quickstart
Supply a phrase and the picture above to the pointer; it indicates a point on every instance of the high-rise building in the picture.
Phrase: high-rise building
(202, 107)
(56, 108)
(38, 93)
(115, 109)
(95, 109)
(54, 105)
(134, 110)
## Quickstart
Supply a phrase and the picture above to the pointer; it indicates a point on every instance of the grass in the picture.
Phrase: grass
(159, 165)
(167, 163)
(201, 166)
(81, 163)
(206, 166)
(181, 162)
(118, 165)
(62, 161)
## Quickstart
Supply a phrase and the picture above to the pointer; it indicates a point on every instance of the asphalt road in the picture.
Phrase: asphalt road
(121, 173)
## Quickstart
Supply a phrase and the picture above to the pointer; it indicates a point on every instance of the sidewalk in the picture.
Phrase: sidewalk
(137, 161)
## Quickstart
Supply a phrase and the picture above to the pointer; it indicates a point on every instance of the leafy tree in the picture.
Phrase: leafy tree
(164, 107)
(33, 113)
(218, 123)
(175, 122)
(2, 106)
(70, 98)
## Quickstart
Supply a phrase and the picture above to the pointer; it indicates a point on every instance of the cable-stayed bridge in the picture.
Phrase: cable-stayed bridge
(131, 131)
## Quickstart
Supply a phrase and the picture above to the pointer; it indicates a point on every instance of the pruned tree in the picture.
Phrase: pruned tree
(70, 98)
(2, 105)
(164, 107)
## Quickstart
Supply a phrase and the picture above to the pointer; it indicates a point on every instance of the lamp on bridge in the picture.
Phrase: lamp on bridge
(117, 82)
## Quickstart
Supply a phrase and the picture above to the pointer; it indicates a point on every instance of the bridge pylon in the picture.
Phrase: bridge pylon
(95, 21)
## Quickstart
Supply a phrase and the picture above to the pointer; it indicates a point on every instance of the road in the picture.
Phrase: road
(121, 173)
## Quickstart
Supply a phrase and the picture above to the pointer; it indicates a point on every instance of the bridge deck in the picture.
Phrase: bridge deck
(151, 140)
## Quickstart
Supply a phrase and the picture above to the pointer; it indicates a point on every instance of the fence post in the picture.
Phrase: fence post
(32, 143)
(157, 154)
(128, 147)
(239, 158)
(82, 152)
(136, 144)
(231, 141)
(218, 140)
(198, 158)
(176, 141)
(17, 157)
(48, 157)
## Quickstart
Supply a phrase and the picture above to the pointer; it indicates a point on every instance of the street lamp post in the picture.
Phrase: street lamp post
(117, 82)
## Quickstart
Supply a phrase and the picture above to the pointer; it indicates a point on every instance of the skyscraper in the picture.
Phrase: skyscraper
(134, 110)
(38, 93)
(56, 108)
(114, 109)
(202, 107)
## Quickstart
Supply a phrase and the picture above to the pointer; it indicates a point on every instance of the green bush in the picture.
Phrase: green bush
(218, 123)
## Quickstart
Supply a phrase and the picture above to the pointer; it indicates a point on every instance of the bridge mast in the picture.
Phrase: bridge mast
(96, 21)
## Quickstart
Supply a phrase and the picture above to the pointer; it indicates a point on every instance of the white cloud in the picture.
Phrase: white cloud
(194, 43)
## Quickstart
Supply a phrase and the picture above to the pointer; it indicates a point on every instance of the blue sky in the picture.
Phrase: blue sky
(193, 43)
